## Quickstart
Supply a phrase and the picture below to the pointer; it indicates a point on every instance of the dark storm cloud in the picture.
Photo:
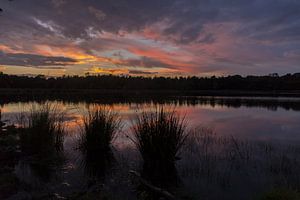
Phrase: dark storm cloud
(147, 63)
(185, 17)
(31, 60)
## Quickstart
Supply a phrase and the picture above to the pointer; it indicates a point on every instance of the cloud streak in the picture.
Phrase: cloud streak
(30, 60)
(189, 37)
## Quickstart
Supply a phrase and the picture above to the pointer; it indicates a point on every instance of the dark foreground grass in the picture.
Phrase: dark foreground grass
(42, 131)
(100, 127)
(8, 159)
(41, 139)
(159, 136)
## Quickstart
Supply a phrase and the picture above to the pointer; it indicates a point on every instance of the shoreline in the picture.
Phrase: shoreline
(148, 93)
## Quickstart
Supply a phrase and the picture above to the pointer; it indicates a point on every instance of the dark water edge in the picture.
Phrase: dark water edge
(148, 93)
(288, 100)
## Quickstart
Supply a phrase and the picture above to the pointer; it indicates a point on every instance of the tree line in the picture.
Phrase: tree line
(235, 82)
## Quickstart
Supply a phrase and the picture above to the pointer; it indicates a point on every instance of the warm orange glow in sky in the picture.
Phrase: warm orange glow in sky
(155, 38)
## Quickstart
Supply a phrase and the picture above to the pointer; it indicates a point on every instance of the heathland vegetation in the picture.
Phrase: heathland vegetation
(272, 82)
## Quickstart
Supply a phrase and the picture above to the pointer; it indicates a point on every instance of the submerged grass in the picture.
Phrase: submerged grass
(216, 166)
(159, 136)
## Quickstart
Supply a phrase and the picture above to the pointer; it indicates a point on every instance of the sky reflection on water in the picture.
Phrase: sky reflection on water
(246, 118)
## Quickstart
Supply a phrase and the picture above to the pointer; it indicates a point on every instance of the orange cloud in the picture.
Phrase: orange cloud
(74, 52)
(7, 49)
(99, 70)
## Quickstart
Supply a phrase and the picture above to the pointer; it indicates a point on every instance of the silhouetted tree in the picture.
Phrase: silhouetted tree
(101, 82)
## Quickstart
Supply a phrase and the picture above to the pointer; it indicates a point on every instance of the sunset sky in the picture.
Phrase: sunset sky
(150, 37)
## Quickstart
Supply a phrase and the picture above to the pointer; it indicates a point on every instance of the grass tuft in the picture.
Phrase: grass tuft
(100, 127)
(159, 136)
(42, 131)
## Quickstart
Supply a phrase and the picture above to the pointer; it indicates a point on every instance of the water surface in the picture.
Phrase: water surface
(254, 118)
(213, 170)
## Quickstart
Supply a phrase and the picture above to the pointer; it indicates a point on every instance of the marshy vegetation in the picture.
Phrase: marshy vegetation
(8, 159)
(217, 167)
(100, 127)
(158, 136)
(41, 134)
(189, 164)
(42, 131)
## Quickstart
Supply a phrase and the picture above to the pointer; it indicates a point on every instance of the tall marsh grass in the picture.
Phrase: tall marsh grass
(159, 136)
(100, 127)
(41, 135)
(42, 131)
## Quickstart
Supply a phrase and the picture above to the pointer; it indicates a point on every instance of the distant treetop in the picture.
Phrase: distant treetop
(235, 82)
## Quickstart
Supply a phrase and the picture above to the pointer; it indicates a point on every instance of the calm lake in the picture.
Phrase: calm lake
(260, 118)
(257, 122)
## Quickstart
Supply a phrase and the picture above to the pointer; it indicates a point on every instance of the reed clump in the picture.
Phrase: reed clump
(100, 127)
(42, 131)
(159, 136)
